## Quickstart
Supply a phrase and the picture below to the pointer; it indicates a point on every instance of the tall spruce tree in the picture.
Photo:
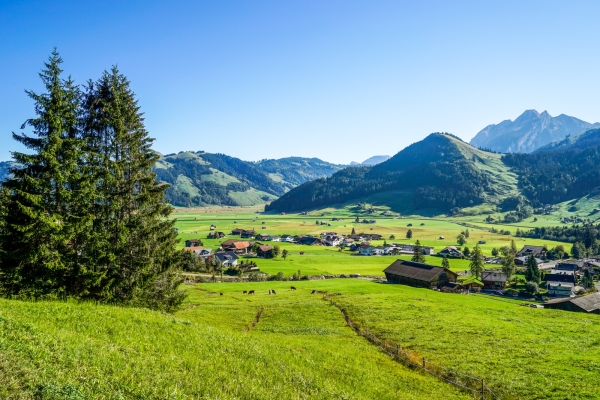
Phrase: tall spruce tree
(532, 273)
(418, 255)
(44, 219)
(133, 240)
(477, 262)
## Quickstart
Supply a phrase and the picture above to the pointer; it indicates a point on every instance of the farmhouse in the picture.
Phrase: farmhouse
(192, 243)
(569, 265)
(493, 280)
(237, 246)
(264, 251)
(560, 288)
(194, 249)
(418, 274)
(451, 252)
(523, 260)
(263, 236)
(537, 251)
(237, 232)
(410, 248)
(216, 235)
(275, 239)
(588, 304)
(248, 234)
(560, 276)
(227, 258)
(310, 241)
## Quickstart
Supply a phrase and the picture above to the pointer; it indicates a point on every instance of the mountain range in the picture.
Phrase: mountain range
(443, 174)
(372, 160)
(530, 131)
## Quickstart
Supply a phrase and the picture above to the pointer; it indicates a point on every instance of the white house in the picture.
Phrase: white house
(560, 288)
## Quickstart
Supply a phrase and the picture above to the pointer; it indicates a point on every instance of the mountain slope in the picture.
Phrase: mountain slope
(582, 140)
(530, 131)
(375, 160)
(441, 172)
(199, 178)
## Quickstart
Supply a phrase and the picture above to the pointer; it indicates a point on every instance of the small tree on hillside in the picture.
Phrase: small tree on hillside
(477, 262)
(276, 251)
(495, 252)
(466, 252)
(461, 239)
(409, 234)
(445, 262)
(467, 233)
(353, 231)
(284, 254)
(532, 273)
(418, 253)
(508, 261)
(513, 246)
(392, 237)
(578, 250)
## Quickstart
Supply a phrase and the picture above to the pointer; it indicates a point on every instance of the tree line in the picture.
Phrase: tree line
(83, 216)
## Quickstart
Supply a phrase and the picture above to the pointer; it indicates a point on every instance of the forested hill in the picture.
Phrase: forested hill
(199, 178)
(440, 172)
(582, 140)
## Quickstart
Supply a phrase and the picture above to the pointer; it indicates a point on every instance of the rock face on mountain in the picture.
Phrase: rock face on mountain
(530, 131)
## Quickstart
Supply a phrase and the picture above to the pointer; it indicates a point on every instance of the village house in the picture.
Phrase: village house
(536, 251)
(523, 261)
(215, 235)
(227, 258)
(493, 280)
(332, 240)
(348, 241)
(275, 239)
(192, 243)
(587, 304)
(264, 251)
(237, 232)
(560, 276)
(236, 246)
(410, 248)
(194, 249)
(263, 236)
(560, 288)
(248, 234)
(451, 252)
(287, 238)
(418, 274)
(569, 265)
(310, 241)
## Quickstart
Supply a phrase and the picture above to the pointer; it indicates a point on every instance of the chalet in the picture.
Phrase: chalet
(536, 251)
(451, 252)
(310, 241)
(372, 251)
(216, 235)
(275, 239)
(236, 246)
(205, 253)
(560, 277)
(587, 304)
(372, 236)
(493, 280)
(287, 238)
(357, 238)
(263, 236)
(264, 251)
(418, 274)
(227, 258)
(192, 243)
(348, 241)
(569, 265)
(410, 248)
(194, 249)
(332, 240)
(560, 288)
(248, 234)
(523, 261)
(237, 232)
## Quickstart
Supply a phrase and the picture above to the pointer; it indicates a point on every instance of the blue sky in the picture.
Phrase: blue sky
(338, 80)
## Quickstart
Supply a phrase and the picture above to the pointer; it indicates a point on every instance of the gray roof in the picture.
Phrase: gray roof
(588, 303)
(493, 276)
(535, 250)
(415, 270)
(226, 256)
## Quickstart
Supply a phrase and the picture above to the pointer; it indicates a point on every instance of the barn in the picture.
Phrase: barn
(587, 304)
(418, 274)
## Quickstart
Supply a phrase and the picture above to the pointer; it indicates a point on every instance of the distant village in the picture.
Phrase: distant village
(561, 279)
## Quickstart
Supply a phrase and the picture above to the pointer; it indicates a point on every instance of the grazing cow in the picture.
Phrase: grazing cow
(221, 293)
(245, 292)
(293, 288)
(251, 292)
(270, 291)
(313, 292)
(273, 292)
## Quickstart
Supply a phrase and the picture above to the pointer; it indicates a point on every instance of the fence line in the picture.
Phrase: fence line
(471, 384)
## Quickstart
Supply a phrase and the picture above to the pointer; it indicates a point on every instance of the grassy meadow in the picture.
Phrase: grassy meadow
(299, 348)
(321, 260)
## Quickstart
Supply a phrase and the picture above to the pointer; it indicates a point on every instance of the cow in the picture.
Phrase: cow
(273, 292)
(293, 288)
(313, 292)
(221, 294)
(270, 291)
(245, 292)
(251, 292)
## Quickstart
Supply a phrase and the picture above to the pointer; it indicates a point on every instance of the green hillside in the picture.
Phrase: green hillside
(440, 173)
(200, 179)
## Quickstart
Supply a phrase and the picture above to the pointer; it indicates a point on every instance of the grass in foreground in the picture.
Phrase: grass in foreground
(300, 348)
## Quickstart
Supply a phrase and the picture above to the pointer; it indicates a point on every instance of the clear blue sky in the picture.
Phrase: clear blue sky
(339, 80)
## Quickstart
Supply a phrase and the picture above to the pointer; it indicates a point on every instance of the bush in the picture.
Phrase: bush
(532, 288)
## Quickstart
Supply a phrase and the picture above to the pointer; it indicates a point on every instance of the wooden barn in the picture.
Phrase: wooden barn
(587, 304)
(418, 274)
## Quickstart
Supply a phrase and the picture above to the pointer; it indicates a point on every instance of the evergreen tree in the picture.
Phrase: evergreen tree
(445, 262)
(353, 231)
(508, 261)
(477, 262)
(467, 233)
(44, 204)
(132, 250)
(418, 253)
(578, 250)
(532, 273)
(513, 246)
(409, 234)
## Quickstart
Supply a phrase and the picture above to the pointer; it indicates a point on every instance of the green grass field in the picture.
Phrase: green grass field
(321, 260)
(300, 348)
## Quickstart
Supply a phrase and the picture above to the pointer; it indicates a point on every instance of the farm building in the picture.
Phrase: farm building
(493, 280)
(451, 252)
(237, 246)
(560, 277)
(560, 288)
(589, 304)
(418, 274)
(216, 235)
(537, 251)
(192, 243)
(227, 258)
(264, 250)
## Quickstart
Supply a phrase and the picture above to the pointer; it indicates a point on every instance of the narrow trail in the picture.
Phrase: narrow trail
(470, 384)
(256, 319)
